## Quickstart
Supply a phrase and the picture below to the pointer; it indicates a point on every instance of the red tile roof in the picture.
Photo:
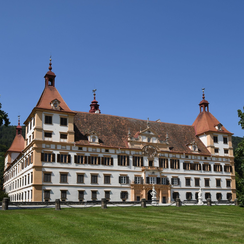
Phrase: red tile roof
(18, 144)
(206, 122)
(48, 95)
(113, 131)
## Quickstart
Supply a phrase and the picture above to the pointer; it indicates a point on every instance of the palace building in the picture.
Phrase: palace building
(85, 156)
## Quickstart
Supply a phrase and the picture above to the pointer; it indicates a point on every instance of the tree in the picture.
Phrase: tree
(239, 163)
(3, 117)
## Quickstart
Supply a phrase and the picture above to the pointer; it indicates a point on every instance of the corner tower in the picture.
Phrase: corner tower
(212, 133)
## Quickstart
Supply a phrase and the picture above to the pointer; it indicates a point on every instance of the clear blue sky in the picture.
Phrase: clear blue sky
(145, 58)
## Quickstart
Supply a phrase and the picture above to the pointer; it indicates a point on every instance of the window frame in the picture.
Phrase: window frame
(48, 119)
(63, 175)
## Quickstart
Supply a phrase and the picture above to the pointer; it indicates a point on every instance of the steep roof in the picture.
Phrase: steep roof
(49, 94)
(112, 131)
(206, 122)
(18, 144)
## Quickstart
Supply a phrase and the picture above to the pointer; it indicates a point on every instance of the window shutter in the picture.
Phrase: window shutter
(203, 167)
(58, 158)
(142, 162)
(53, 157)
(120, 179)
(76, 159)
(178, 163)
(184, 165)
(42, 157)
(167, 181)
(158, 180)
(69, 159)
(220, 167)
(171, 181)
(225, 168)
(210, 167)
(134, 161)
(128, 161)
(199, 166)
(178, 181)
(147, 179)
(98, 160)
(127, 179)
(214, 167)
(89, 159)
(171, 163)
(119, 160)
(112, 161)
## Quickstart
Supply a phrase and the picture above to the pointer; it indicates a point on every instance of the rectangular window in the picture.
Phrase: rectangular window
(174, 163)
(175, 181)
(123, 160)
(207, 195)
(215, 138)
(123, 195)
(226, 151)
(216, 150)
(206, 181)
(46, 195)
(64, 158)
(218, 182)
(228, 183)
(81, 195)
(206, 167)
(63, 177)
(63, 195)
(63, 121)
(124, 179)
(48, 119)
(137, 161)
(47, 177)
(48, 157)
(107, 195)
(79, 159)
(94, 179)
(138, 180)
(94, 195)
(197, 182)
(163, 163)
(175, 195)
(107, 161)
(225, 140)
(196, 166)
(106, 179)
(188, 196)
(48, 134)
(229, 196)
(219, 196)
(186, 166)
(152, 180)
(80, 178)
(94, 160)
(165, 181)
(217, 168)
(188, 181)
(63, 136)
(228, 168)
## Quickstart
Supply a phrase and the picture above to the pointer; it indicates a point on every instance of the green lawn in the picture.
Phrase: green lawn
(187, 224)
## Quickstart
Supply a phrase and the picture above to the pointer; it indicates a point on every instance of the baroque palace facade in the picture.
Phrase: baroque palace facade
(84, 156)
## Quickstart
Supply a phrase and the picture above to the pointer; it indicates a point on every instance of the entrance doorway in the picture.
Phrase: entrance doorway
(149, 196)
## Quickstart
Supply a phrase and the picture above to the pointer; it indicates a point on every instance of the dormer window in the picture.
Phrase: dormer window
(55, 104)
(219, 127)
(94, 139)
(193, 146)
(148, 139)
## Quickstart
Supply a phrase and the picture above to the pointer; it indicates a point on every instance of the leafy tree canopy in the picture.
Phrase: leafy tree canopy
(239, 163)
(3, 117)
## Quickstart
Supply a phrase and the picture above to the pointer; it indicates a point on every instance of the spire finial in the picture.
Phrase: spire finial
(148, 122)
(94, 93)
(50, 64)
(203, 95)
(18, 119)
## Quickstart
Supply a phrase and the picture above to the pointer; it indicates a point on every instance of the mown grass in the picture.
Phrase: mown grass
(191, 224)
